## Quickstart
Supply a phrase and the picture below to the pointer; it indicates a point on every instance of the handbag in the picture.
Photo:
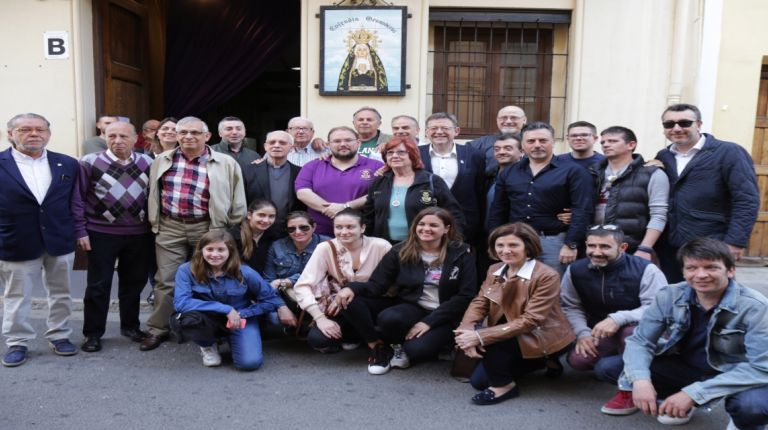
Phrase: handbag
(325, 291)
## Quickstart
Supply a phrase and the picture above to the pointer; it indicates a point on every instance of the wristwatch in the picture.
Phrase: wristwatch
(347, 206)
(572, 245)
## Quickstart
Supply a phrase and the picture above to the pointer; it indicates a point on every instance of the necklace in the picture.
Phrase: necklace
(396, 195)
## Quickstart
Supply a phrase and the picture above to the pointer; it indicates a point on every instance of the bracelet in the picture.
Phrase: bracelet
(319, 317)
(480, 338)
(647, 249)
(347, 206)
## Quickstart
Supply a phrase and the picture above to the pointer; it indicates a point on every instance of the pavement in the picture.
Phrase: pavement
(122, 387)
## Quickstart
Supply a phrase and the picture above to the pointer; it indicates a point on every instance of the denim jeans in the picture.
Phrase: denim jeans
(245, 343)
(550, 252)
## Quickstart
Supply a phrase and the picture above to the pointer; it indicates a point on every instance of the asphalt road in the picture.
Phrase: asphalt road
(168, 388)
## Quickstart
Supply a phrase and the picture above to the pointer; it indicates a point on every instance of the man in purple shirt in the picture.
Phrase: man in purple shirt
(329, 185)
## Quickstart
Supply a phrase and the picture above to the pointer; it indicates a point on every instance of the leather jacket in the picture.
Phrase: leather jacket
(531, 308)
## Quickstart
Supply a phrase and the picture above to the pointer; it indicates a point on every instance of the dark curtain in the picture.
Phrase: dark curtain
(217, 47)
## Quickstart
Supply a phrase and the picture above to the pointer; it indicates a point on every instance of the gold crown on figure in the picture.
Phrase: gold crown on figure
(362, 36)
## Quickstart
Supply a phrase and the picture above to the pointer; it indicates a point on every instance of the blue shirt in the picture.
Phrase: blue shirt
(583, 162)
(221, 294)
(536, 200)
(285, 262)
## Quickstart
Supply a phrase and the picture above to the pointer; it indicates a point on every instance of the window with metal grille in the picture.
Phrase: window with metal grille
(488, 62)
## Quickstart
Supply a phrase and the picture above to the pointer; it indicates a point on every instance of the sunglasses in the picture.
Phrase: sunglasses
(683, 123)
(607, 227)
(304, 228)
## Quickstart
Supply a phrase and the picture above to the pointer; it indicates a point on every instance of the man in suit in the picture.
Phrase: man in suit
(274, 179)
(461, 167)
(712, 188)
(37, 232)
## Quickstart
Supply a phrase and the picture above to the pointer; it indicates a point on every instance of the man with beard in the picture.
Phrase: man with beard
(341, 181)
(604, 296)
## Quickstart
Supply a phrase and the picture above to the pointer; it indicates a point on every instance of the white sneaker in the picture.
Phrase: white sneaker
(349, 346)
(674, 421)
(211, 357)
(731, 426)
(399, 358)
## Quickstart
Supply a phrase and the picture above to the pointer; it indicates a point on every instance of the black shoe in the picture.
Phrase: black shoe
(134, 334)
(91, 344)
(554, 368)
(152, 342)
(488, 397)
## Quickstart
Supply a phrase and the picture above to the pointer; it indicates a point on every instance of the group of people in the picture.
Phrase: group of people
(621, 266)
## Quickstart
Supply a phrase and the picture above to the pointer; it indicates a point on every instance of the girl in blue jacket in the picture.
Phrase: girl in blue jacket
(218, 297)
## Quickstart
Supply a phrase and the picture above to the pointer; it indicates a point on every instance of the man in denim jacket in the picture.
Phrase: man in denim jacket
(701, 340)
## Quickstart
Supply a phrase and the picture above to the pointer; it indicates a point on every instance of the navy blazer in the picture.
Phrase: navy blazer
(716, 195)
(468, 188)
(29, 229)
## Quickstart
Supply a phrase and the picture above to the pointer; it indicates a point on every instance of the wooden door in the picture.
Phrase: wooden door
(121, 50)
(758, 244)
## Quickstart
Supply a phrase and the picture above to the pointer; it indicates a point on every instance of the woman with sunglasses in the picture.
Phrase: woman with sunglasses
(349, 257)
(252, 235)
(165, 138)
(216, 297)
(288, 256)
(416, 296)
(525, 330)
(405, 188)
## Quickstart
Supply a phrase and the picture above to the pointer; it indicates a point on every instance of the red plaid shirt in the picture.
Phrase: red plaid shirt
(185, 187)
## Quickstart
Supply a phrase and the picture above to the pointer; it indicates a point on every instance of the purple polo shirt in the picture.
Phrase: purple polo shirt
(335, 185)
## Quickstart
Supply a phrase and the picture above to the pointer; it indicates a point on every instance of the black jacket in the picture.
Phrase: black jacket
(627, 204)
(716, 195)
(467, 188)
(427, 190)
(256, 183)
(457, 287)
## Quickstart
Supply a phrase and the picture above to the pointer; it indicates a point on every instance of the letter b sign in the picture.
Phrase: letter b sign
(56, 45)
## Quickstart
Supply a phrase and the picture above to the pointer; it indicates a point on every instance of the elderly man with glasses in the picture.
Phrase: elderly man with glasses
(193, 189)
(713, 188)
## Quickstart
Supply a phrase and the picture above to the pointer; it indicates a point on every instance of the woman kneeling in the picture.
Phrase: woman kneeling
(218, 297)
(526, 328)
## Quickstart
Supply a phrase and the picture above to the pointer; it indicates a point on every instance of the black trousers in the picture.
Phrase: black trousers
(133, 253)
(503, 362)
(394, 319)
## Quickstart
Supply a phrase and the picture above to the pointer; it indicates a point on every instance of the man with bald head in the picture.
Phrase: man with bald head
(511, 120)
(110, 208)
(274, 179)
(303, 131)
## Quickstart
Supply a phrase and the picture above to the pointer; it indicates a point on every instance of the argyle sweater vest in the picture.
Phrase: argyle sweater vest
(117, 202)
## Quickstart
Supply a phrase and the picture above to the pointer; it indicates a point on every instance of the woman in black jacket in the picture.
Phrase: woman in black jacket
(416, 296)
(402, 191)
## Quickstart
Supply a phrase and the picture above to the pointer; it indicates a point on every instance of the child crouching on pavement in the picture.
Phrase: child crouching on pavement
(217, 297)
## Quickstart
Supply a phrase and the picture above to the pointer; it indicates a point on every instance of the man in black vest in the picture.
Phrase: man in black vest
(603, 297)
(628, 193)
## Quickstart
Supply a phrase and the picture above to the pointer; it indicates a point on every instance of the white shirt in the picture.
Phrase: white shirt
(683, 159)
(111, 155)
(525, 271)
(35, 171)
(445, 166)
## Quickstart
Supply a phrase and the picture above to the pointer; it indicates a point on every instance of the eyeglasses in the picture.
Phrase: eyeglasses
(26, 130)
(607, 227)
(400, 153)
(683, 123)
(579, 136)
(509, 118)
(300, 128)
(305, 228)
(194, 133)
(441, 129)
